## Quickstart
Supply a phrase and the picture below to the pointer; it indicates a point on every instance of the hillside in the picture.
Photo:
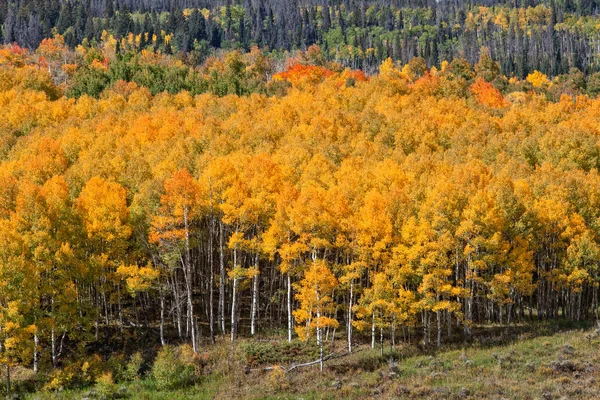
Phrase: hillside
(145, 223)
(539, 361)
(526, 35)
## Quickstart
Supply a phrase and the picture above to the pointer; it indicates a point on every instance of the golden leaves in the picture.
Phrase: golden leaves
(103, 207)
(138, 279)
(538, 79)
(314, 294)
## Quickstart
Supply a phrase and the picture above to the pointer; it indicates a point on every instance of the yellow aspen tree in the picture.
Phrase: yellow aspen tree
(173, 228)
(316, 305)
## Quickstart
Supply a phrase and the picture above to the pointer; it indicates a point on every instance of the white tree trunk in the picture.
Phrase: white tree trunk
(254, 297)
(53, 347)
(162, 317)
(319, 334)
(349, 328)
(289, 306)
(35, 352)
(373, 331)
(54, 352)
(234, 297)
(176, 298)
(211, 282)
(188, 280)
(221, 280)
(233, 305)
(211, 264)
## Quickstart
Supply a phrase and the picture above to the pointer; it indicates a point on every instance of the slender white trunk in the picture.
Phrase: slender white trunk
(162, 317)
(233, 305)
(35, 352)
(349, 328)
(190, 314)
(319, 333)
(289, 306)
(211, 283)
(53, 347)
(54, 352)
(254, 297)
(177, 301)
(221, 279)
(52, 338)
(188, 280)
(373, 331)
(211, 265)
(470, 285)
(234, 297)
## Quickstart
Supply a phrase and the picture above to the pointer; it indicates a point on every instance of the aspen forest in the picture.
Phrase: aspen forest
(263, 224)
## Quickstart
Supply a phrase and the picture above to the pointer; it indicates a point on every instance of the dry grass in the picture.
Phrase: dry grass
(565, 365)
(541, 362)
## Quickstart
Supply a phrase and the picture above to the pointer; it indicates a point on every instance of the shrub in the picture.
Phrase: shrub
(76, 374)
(132, 369)
(277, 379)
(105, 386)
(173, 369)
(116, 366)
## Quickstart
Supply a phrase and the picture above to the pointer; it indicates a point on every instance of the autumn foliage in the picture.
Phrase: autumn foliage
(485, 93)
(298, 73)
(420, 198)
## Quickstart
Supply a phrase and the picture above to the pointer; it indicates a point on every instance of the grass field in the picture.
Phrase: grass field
(543, 361)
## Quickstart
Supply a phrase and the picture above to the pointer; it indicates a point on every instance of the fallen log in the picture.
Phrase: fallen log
(331, 356)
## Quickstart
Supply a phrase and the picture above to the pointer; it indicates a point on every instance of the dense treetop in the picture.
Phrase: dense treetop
(311, 198)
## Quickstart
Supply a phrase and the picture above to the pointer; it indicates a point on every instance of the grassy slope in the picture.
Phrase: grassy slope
(543, 362)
